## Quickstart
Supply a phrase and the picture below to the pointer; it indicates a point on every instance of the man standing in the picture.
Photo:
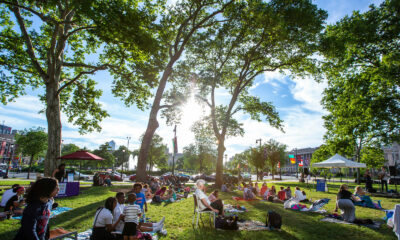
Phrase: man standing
(383, 175)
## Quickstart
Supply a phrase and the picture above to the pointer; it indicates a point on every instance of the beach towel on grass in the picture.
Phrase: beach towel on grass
(242, 199)
(376, 225)
(53, 213)
(251, 225)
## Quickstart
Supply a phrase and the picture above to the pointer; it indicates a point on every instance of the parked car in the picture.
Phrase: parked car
(113, 176)
(81, 176)
(119, 174)
(394, 180)
(2, 173)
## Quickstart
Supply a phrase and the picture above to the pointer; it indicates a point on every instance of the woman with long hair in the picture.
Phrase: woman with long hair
(103, 223)
(37, 213)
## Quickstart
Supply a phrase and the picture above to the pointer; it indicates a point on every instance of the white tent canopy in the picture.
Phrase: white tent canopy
(338, 161)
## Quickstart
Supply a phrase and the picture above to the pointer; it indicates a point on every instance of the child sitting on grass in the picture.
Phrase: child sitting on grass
(132, 214)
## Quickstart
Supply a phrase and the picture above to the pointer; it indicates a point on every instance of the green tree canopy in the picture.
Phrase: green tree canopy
(32, 142)
(255, 36)
(47, 44)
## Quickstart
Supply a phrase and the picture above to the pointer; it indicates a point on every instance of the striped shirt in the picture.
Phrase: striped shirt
(131, 212)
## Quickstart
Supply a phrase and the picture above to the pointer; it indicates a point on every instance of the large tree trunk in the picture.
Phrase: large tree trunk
(220, 162)
(152, 125)
(30, 166)
(53, 115)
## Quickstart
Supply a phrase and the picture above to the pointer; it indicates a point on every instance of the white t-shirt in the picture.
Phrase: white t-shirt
(201, 195)
(131, 212)
(103, 218)
(299, 195)
(118, 210)
(6, 196)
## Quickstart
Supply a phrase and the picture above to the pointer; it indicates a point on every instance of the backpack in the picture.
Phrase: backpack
(274, 220)
(226, 223)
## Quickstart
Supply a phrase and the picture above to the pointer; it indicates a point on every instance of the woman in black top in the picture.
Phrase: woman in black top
(59, 173)
(36, 215)
(344, 201)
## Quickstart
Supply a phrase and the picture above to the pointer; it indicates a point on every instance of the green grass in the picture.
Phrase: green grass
(296, 225)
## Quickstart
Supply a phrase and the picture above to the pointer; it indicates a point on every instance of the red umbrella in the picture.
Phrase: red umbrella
(81, 155)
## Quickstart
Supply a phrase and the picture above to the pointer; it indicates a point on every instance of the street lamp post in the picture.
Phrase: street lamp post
(258, 141)
(123, 159)
(127, 146)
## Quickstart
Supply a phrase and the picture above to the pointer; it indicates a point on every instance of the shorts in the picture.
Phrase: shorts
(129, 229)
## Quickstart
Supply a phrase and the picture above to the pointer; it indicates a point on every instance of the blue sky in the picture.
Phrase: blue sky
(297, 100)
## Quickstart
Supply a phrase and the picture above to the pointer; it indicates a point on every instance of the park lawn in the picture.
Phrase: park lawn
(178, 223)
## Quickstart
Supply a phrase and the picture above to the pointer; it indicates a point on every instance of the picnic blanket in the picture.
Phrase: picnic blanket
(86, 235)
(242, 199)
(251, 225)
(234, 209)
(53, 213)
(376, 224)
(315, 207)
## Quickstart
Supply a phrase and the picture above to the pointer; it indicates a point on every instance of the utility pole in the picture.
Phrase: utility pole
(123, 159)
(258, 141)
(174, 152)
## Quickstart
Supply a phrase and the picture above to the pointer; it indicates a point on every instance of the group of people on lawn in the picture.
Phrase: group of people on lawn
(251, 191)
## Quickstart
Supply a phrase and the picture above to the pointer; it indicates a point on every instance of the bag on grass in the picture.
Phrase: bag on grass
(274, 220)
(226, 223)
(156, 199)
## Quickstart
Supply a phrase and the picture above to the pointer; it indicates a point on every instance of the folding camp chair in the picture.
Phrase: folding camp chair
(197, 212)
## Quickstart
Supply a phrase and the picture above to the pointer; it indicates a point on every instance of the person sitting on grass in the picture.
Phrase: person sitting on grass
(288, 192)
(103, 223)
(204, 203)
(264, 188)
(344, 201)
(36, 215)
(8, 194)
(247, 193)
(15, 203)
(257, 189)
(213, 196)
(147, 192)
(224, 188)
(299, 195)
(282, 194)
(366, 201)
(118, 210)
(272, 197)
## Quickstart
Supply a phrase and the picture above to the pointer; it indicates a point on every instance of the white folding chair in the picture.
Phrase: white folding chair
(197, 212)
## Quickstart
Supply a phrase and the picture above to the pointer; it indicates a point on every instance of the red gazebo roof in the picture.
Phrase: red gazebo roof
(81, 155)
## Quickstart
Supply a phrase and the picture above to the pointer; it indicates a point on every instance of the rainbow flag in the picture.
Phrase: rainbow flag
(292, 159)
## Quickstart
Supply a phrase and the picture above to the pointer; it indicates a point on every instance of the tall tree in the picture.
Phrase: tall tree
(259, 36)
(158, 153)
(257, 158)
(32, 142)
(45, 44)
(361, 64)
(179, 23)
(104, 153)
(275, 153)
(373, 157)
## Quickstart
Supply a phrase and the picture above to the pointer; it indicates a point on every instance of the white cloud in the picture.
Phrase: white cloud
(309, 93)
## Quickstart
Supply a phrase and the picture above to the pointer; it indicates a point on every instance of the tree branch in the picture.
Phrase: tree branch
(43, 17)
(79, 76)
(77, 30)
(204, 100)
(29, 46)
